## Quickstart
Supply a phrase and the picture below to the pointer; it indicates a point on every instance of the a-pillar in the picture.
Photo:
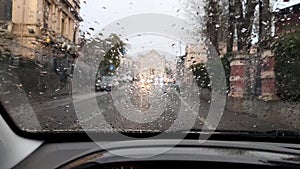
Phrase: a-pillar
(268, 81)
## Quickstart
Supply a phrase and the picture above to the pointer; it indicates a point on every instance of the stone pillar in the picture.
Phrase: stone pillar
(268, 82)
(237, 73)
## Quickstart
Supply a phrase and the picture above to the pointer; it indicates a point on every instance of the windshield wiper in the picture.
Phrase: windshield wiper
(283, 133)
(270, 133)
(231, 135)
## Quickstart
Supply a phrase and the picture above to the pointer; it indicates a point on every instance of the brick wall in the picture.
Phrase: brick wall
(253, 76)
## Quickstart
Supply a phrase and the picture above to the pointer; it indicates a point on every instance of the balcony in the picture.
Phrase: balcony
(68, 3)
(77, 2)
(68, 8)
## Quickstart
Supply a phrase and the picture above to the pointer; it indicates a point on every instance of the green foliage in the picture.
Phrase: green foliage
(112, 55)
(201, 75)
(287, 67)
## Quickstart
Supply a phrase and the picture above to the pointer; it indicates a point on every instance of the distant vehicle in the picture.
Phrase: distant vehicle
(104, 83)
(124, 79)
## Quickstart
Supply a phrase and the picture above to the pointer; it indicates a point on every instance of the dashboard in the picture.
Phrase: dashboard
(139, 155)
(170, 164)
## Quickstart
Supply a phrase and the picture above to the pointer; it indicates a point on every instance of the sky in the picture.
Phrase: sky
(280, 4)
(98, 14)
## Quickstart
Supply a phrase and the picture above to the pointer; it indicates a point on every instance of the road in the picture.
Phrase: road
(107, 113)
(123, 109)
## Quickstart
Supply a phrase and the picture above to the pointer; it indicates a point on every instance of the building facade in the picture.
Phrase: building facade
(195, 53)
(150, 65)
(41, 24)
(127, 66)
(287, 19)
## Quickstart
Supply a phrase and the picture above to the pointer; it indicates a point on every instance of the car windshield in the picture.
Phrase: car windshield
(150, 66)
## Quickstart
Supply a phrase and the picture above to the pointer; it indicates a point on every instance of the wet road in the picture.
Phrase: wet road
(101, 111)
(126, 108)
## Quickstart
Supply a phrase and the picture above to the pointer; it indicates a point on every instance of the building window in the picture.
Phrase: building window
(6, 10)
(46, 14)
(63, 26)
(74, 34)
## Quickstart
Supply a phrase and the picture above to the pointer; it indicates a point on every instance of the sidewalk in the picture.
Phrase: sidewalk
(276, 112)
(42, 87)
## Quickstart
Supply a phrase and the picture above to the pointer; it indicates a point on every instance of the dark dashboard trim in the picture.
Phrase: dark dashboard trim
(269, 154)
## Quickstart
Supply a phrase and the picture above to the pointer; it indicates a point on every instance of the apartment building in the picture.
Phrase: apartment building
(40, 25)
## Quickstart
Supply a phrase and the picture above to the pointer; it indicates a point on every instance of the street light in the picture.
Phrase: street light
(48, 40)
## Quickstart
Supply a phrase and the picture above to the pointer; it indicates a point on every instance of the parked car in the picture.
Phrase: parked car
(123, 78)
(104, 83)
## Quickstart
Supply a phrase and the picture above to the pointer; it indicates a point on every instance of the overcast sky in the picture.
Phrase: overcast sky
(98, 14)
(280, 4)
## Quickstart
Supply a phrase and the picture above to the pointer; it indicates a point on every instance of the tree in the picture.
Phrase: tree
(201, 74)
(265, 23)
(212, 22)
(194, 13)
(244, 22)
(236, 22)
(114, 48)
(287, 66)
(231, 26)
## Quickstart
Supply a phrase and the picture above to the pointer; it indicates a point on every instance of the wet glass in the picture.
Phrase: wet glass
(158, 66)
